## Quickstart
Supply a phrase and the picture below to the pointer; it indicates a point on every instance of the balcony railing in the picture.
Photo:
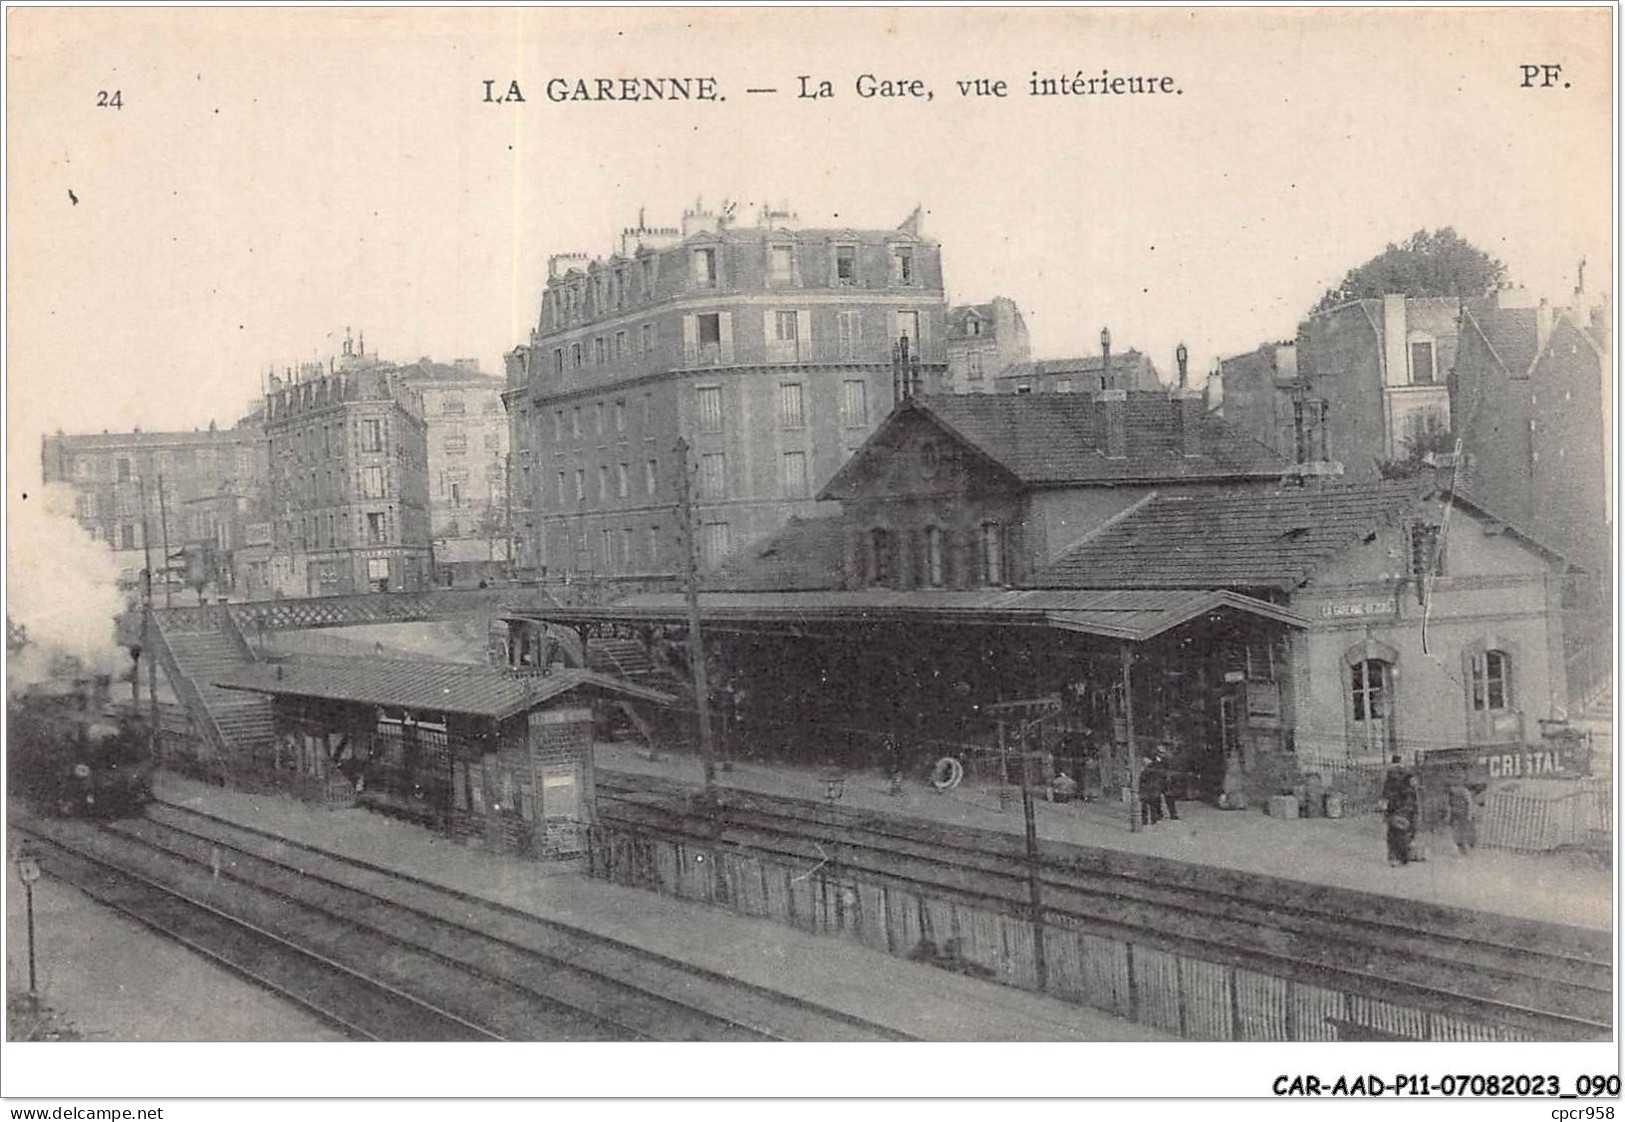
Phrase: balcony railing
(798, 352)
(700, 356)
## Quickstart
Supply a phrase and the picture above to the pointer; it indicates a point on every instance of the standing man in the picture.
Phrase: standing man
(1464, 815)
(1151, 788)
(1400, 804)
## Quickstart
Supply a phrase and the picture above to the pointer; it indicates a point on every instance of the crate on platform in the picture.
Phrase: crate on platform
(1283, 806)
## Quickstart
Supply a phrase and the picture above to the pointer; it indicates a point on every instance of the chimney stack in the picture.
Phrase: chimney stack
(1114, 403)
(1543, 323)
(1188, 406)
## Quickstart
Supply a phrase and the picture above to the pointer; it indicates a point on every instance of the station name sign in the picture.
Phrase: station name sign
(1345, 609)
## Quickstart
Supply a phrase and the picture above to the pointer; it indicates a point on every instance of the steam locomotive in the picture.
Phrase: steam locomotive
(69, 752)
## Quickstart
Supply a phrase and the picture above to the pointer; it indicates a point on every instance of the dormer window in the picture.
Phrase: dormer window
(781, 264)
(705, 268)
(846, 266)
(902, 264)
(1423, 370)
(973, 326)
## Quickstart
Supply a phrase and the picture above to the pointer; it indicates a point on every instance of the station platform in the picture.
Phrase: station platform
(919, 1000)
(1346, 853)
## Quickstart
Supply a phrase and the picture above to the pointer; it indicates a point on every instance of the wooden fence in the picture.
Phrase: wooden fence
(1179, 993)
(1530, 822)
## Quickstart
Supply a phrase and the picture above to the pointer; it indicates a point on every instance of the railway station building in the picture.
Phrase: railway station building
(491, 758)
(1004, 572)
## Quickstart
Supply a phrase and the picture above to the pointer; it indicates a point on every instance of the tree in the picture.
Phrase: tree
(1438, 264)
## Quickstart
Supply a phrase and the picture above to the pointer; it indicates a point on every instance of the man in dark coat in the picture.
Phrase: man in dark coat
(1400, 804)
(1151, 786)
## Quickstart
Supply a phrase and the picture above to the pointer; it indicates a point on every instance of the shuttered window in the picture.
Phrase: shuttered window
(709, 399)
(791, 415)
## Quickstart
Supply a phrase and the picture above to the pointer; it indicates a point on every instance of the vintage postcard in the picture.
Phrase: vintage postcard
(1083, 526)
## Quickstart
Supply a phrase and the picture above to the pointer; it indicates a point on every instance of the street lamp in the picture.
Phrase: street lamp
(1182, 355)
(1106, 358)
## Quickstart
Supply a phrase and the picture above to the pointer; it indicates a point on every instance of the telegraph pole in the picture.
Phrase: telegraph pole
(696, 643)
(148, 624)
(1133, 752)
(163, 529)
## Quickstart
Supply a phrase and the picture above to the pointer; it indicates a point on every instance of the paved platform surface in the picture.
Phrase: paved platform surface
(919, 1000)
(1346, 852)
(108, 978)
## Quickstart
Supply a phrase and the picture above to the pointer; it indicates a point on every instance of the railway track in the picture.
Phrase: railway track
(1546, 980)
(518, 975)
(359, 1004)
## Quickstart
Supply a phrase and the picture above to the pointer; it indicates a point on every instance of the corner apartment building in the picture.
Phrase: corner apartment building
(349, 501)
(198, 487)
(770, 349)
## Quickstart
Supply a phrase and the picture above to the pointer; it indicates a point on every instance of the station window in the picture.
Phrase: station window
(882, 556)
(935, 559)
(1492, 680)
(992, 553)
(1369, 682)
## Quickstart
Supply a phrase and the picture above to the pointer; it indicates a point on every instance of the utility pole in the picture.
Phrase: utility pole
(1133, 752)
(163, 529)
(1035, 882)
(696, 643)
(148, 624)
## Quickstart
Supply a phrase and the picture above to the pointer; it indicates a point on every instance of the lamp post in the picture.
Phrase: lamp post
(1182, 356)
(28, 872)
(1106, 358)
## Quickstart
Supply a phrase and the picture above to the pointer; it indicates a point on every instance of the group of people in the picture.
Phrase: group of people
(1402, 809)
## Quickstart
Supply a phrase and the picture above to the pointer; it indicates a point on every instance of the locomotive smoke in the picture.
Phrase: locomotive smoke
(62, 586)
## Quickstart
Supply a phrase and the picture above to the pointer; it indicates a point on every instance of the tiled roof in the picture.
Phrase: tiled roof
(1083, 364)
(1511, 334)
(1242, 540)
(1136, 615)
(1054, 439)
(804, 553)
(437, 686)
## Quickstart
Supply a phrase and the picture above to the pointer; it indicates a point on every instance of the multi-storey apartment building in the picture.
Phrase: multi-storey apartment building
(466, 429)
(770, 349)
(984, 341)
(198, 488)
(349, 500)
(1363, 384)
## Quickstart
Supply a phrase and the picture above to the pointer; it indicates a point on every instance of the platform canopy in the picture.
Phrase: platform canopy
(1135, 615)
(474, 691)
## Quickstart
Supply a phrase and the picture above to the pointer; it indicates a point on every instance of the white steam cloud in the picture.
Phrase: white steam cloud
(61, 586)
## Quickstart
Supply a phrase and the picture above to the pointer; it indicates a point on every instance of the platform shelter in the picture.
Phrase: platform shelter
(495, 758)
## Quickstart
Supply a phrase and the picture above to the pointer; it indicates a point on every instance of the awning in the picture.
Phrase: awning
(1136, 615)
(425, 686)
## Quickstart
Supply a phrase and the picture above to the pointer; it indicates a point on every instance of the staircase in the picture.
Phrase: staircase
(193, 644)
(660, 728)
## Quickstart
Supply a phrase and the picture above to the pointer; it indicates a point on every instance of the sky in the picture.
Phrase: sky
(275, 176)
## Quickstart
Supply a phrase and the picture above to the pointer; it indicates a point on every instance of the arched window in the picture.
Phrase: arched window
(1371, 681)
(1369, 685)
